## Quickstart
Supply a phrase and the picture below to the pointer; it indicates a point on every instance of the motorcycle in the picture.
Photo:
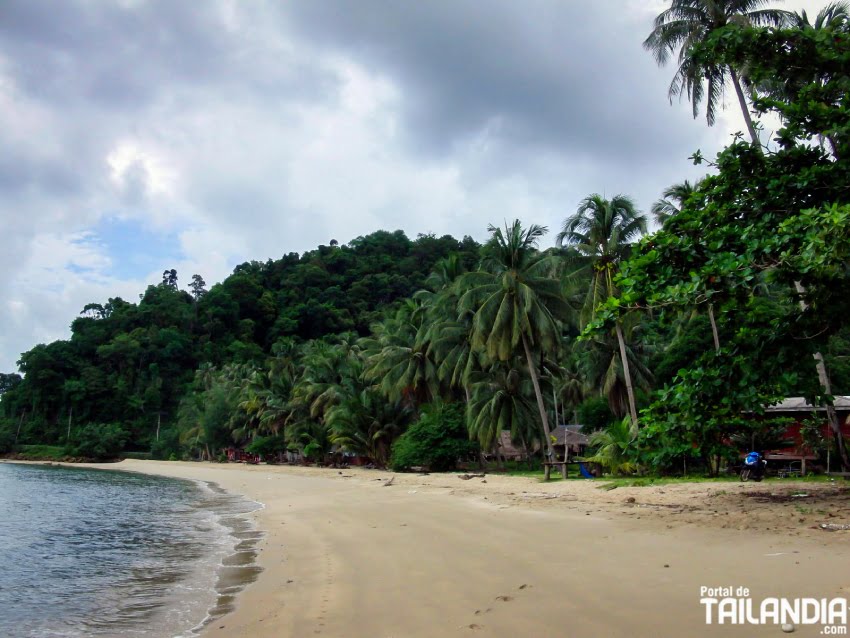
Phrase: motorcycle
(754, 467)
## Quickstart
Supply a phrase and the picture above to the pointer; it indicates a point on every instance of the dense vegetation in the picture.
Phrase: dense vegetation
(396, 350)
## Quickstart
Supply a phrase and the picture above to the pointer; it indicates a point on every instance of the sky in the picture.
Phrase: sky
(144, 135)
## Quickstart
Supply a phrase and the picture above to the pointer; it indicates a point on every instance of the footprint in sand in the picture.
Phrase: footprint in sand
(523, 586)
(474, 627)
(505, 599)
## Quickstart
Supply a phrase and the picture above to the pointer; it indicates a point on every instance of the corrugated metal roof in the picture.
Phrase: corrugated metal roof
(799, 404)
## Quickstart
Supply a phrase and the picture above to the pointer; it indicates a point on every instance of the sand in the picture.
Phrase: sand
(434, 555)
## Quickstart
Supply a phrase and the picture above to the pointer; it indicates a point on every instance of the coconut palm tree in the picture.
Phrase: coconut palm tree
(601, 232)
(398, 362)
(672, 200)
(689, 22)
(835, 15)
(500, 401)
(516, 302)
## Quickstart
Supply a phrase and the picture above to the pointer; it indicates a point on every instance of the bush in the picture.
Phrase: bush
(167, 446)
(41, 452)
(437, 441)
(7, 436)
(98, 441)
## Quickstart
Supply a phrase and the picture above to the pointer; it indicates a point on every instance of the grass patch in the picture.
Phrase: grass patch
(42, 452)
(612, 483)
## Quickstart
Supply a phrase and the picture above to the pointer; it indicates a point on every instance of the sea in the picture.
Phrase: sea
(86, 552)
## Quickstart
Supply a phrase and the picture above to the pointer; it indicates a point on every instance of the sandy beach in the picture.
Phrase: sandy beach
(434, 555)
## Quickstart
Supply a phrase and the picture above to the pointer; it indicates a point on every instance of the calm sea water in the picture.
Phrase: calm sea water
(103, 553)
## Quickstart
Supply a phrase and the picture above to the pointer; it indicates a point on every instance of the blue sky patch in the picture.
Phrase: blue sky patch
(135, 250)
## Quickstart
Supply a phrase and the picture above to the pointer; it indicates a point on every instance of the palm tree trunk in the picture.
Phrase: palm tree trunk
(745, 108)
(536, 383)
(823, 378)
(627, 373)
(714, 328)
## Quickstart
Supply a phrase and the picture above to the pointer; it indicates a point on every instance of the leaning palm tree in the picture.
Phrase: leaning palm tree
(601, 232)
(690, 22)
(517, 303)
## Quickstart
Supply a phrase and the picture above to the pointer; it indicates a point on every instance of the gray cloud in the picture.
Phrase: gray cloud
(566, 76)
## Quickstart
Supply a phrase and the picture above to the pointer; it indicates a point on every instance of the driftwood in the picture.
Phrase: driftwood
(466, 477)
(833, 527)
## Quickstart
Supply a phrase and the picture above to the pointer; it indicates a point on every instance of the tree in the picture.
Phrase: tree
(198, 287)
(517, 302)
(602, 231)
(672, 200)
(689, 22)
(501, 401)
(169, 279)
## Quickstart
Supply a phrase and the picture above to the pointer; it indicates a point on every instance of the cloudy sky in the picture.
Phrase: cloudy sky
(139, 135)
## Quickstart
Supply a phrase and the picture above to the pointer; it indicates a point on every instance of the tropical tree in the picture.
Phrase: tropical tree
(516, 302)
(501, 401)
(616, 447)
(689, 22)
(672, 200)
(835, 15)
(602, 231)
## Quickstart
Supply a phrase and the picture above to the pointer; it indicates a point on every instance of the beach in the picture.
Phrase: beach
(345, 554)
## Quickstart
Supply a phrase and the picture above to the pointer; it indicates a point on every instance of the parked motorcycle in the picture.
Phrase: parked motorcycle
(754, 467)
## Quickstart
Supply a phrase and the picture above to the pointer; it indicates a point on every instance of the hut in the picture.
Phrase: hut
(798, 409)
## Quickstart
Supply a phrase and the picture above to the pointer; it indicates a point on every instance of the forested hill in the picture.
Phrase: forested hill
(132, 363)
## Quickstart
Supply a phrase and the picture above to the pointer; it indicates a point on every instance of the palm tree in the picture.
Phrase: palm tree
(601, 231)
(835, 15)
(500, 401)
(615, 447)
(398, 360)
(690, 22)
(516, 301)
(672, 200)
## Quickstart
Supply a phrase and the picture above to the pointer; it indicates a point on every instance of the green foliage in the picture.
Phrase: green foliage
(594, 414)
(616, 447)
(7, 435)
(266, 446)
(437, 441)
(99, 441)
(42, 452)
(167, 445)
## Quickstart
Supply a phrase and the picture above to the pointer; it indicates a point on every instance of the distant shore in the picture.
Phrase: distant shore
(434, 555)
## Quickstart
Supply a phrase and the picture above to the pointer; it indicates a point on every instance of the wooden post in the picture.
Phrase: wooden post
(70, 414)
(564, 469)
(547, 469)
(803, 467)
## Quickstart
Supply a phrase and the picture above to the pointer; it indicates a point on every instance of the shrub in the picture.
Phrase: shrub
(168, 444)
(98, 441)
(7, 436)
(437, 441)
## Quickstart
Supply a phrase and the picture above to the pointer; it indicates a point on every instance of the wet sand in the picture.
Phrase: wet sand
(434, 555)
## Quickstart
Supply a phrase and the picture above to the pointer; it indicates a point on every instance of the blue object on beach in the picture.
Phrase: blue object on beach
(584, 471)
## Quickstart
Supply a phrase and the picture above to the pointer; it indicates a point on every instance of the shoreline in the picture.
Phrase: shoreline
(432, 555)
